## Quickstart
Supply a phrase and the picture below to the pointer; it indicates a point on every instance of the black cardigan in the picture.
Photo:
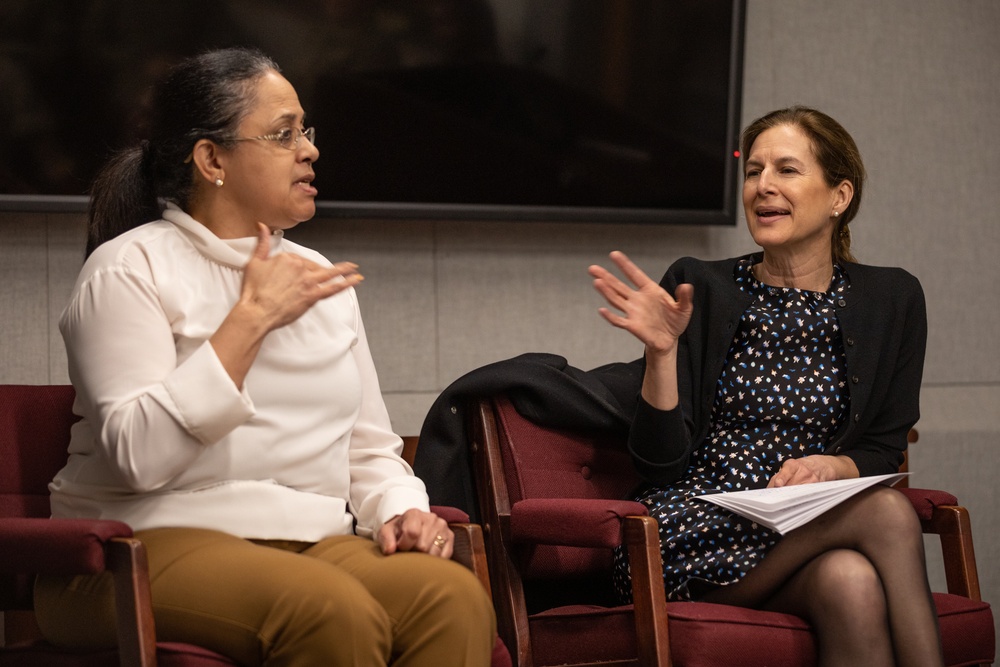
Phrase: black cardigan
(542, 387)
(884, 327)
(883, 322)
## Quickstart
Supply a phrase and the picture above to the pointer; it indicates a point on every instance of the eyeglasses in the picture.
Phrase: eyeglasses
(286, 138)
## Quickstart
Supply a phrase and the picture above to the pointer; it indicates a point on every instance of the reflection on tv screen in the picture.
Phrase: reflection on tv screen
(563, 103)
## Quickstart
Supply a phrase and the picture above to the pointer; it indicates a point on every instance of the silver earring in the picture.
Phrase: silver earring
(218, 184)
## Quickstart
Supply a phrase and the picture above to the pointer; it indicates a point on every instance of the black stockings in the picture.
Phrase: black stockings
(857, 574)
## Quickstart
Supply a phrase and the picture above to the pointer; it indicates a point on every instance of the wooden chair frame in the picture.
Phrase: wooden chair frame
(641, 537)
(35, 545)
(125, 558)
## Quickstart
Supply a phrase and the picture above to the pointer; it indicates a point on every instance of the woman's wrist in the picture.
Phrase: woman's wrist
(659, 383)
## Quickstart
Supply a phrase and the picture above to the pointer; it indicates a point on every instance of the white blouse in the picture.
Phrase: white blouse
(167, 439)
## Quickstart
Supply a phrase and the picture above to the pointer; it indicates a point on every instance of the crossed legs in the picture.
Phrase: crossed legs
(857, 574)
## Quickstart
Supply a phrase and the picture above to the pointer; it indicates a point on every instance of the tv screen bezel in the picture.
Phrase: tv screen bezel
(724, 216)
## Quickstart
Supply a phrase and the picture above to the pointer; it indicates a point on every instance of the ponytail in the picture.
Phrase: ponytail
(122, 196)
(203, 97)
(842, 243)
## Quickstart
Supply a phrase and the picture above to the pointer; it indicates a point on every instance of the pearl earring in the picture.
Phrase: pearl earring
(218, 184)
(835, 213)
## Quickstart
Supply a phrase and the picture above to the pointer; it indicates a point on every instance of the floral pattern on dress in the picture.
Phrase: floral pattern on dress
(783, 394)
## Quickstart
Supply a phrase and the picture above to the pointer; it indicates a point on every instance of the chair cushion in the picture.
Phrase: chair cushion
(967, 628)
(582, 633)
(553, 463)
(925, 500)
(168, 654)
(31, 414)
(710, 635)
(57, 546)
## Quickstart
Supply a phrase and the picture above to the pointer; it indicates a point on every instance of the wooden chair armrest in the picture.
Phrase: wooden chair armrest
(470, 551)
(952, 525)
(469, 548)
(133, 602)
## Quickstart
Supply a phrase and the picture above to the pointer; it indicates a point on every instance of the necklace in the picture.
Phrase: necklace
(759, 273)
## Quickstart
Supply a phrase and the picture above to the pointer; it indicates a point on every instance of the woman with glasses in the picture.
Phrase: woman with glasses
(230, 411)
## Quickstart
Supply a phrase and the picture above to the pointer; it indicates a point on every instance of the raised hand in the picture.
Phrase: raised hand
(648, 312)
(276, 291)
(280, 289)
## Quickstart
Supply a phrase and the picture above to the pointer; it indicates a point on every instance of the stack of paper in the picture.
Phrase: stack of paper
(788, 507)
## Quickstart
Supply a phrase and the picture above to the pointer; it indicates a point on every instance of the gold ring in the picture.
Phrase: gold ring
(440, 541)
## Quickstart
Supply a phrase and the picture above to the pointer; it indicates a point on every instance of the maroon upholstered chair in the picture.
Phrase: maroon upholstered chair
(551, 507)
(35, 423)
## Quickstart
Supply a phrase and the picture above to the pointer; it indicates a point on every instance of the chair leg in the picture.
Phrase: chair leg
(951, 523)
(470, 551)
(648, 597)
(133, 602)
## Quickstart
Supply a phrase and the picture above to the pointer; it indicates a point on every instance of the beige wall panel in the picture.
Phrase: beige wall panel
(398, 295)
(508, 288)
(24, 276)
(957, 451)
(407, 410)
(66, 243)
(915, 83)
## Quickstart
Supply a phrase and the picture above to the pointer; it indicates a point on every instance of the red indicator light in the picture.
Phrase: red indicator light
(736, 153)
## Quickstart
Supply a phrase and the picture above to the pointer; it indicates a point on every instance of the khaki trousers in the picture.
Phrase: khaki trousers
(336, 602)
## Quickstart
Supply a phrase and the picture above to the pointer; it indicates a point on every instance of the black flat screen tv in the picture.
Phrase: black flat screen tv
(584, 110)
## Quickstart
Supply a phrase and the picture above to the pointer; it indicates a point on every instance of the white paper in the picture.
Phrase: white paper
(788, 507)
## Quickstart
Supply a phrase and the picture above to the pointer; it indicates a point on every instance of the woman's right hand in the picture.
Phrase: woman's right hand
(280, 289)
(276, 291)
(648, 311)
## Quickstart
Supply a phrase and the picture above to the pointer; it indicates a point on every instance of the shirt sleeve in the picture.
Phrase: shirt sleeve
(151, 413)
(382, 483)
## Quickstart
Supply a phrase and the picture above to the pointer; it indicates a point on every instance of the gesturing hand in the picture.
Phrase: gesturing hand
(283, 287)
(416, 530)
(648, 312)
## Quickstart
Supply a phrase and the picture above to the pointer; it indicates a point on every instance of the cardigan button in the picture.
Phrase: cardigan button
(842, 303)
(586, 473)
(857, 417)
(850, 340)
(855, 379)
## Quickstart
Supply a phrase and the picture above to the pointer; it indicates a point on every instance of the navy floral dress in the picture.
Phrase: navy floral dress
(782, 395)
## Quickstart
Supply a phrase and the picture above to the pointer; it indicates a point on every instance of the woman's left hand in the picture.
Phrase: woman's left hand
(416, 530)
(815, 468)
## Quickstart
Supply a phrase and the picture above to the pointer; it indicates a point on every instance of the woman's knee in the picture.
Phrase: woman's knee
(450, 620)
(256, 602)
(845, 579)
(889, 515)
(453, 593)
(328, 621)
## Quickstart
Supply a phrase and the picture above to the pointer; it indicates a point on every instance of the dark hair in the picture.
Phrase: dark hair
(836, 153)
(203, 97)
